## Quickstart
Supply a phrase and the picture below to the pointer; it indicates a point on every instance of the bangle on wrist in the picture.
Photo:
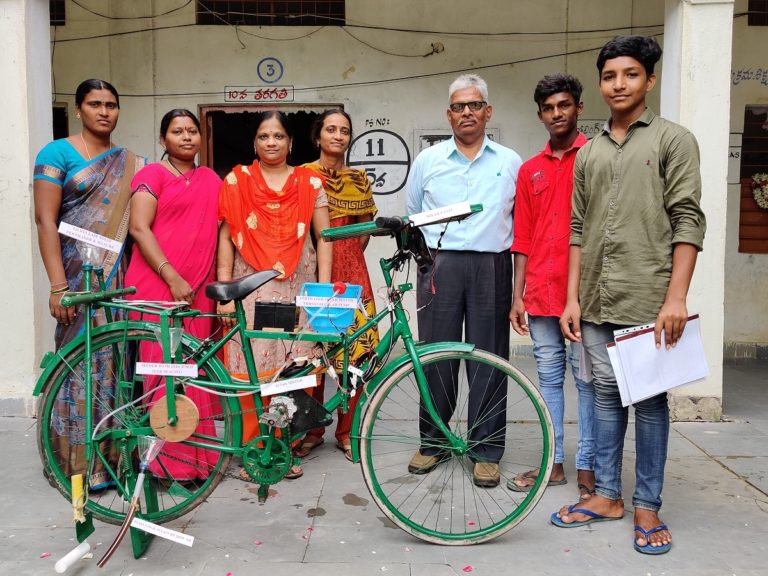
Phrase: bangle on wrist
(60, 290)
(161, 266)
(59, 285)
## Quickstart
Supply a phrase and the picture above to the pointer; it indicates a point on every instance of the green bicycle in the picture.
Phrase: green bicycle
(112, 413)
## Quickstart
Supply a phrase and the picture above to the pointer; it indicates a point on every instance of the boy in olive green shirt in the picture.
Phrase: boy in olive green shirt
(636, 230)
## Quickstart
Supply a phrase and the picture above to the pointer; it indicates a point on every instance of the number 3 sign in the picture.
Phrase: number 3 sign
(385, 158)
(270, 70)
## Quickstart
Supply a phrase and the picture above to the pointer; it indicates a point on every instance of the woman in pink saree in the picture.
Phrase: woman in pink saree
(174, 211)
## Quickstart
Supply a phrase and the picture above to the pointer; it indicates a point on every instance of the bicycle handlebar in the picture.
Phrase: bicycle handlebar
(91, 297)
(393, 223)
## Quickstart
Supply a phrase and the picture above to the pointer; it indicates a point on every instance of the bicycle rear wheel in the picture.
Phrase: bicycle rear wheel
(444, 506)
(183, 475)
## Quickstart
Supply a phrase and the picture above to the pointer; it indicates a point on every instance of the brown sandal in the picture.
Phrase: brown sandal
(294, 472)
(346, 447)
(307, 445)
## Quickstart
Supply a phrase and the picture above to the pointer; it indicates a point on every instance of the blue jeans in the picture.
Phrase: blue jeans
(550, 354)
(651, 428)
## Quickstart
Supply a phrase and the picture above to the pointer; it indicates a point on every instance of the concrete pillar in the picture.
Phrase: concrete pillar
(25, 106)
(695, 92)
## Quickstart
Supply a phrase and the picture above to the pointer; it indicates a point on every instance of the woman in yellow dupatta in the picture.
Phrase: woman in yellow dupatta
(267, 211)
(350, 200)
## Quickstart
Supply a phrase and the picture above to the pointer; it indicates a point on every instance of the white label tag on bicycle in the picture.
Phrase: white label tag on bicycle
(90, 237)
(325, 302)
(161, 369)
(163, 532)
(279, 386)
(441, 214)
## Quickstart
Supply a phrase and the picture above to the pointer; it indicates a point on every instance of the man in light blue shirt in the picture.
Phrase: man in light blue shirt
(467, 293)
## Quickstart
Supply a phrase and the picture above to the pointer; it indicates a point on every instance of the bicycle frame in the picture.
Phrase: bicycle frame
(205, 351)
(379, 380)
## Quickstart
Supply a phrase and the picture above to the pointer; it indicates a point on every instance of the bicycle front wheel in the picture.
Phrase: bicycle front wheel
(503, 420)
(184, 473)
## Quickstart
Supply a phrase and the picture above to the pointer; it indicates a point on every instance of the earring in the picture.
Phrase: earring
(78, 115)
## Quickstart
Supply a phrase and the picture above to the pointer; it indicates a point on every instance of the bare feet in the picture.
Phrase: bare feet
(647, 520)
(613, 509)
(586, 482)
(557, 474)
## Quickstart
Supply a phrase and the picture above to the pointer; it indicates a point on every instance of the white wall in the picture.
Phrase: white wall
(25, 106)
(190, 66)
(205, 59)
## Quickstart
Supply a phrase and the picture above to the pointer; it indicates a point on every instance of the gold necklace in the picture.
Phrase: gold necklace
(194, 168)
(85, 145)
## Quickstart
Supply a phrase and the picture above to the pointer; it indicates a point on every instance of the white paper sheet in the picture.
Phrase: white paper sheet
(280, 386)
(618, 370)
(163, 532)
(648, 371)
(89, 237)
(161, 369)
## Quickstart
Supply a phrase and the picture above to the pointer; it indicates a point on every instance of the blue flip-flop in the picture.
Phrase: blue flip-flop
(593, 517)
(648, 549)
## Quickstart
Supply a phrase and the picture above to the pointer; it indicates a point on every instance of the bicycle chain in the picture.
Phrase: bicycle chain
(225, 474)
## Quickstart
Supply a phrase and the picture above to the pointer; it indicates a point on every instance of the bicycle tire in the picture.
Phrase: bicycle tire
(166, 496)
(444, 506)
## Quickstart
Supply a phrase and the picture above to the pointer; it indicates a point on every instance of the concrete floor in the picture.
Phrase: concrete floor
(715, 502)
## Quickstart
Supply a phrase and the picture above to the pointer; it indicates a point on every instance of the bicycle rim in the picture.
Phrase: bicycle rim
(183, 474)
(444, 506)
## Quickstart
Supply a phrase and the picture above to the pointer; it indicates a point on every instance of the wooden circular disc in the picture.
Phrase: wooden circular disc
(187, 417)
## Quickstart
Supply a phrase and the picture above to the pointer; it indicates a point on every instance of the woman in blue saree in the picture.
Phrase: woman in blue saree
(83, 180)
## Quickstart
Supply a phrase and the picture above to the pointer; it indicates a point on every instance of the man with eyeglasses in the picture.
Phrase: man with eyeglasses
(467, 293)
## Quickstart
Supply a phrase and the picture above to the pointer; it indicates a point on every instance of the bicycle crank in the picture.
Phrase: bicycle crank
(267, 459)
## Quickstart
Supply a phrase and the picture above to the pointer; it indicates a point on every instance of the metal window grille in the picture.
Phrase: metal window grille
(272, 12)
(758, 13)
(58, 12)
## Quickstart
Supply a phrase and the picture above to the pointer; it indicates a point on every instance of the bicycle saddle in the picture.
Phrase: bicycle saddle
(240, 288)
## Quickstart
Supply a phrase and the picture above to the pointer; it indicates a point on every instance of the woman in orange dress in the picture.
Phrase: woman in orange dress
(268, 210)
(350, 200)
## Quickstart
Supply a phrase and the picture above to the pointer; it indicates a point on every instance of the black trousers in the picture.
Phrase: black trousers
(467, 296)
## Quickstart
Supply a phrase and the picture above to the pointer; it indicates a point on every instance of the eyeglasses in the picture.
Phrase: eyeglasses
(458, 107)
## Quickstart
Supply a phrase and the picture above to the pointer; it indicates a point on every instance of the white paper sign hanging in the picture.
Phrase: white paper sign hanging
(161, 369)
(90, 237)
(163, 532)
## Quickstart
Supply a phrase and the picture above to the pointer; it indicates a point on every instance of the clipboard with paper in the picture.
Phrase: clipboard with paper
(642, 370)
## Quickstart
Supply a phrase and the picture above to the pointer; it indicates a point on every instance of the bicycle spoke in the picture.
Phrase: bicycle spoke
(184, 472)
(444, 505)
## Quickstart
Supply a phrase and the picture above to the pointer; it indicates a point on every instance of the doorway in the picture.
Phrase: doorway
(228, 134)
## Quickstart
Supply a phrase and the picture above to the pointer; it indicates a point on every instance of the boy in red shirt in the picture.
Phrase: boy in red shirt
(541, 246)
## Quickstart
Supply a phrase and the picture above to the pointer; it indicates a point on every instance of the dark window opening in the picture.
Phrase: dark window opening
(758, 13)
(753, 220)
(231, 138)
(58, 12)
(60, 121)
(272, 12)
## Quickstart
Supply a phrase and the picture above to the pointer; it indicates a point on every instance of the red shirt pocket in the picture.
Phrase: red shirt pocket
(539, 182)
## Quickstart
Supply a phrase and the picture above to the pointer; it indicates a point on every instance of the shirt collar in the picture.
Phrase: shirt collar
(578, 143)
(487, 143)
(645, 118)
